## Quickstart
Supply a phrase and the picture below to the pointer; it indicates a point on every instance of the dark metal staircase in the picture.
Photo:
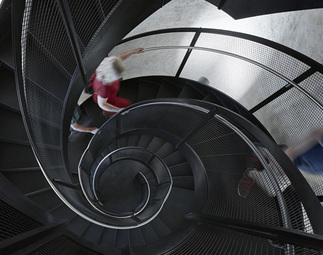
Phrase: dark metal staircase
(204, 173)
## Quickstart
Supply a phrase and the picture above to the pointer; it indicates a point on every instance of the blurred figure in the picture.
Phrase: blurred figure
(255, 173)
(76, 118)
(105, 82)
(307, 154)
(272, 180)
(204, 80)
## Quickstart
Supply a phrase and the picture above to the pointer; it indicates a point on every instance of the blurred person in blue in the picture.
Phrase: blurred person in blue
(307, 154)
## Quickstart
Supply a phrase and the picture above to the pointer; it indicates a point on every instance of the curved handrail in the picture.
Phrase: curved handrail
(223, 116)
(51, 152)
(289, 81)
(262, 41)
(304, 77)
(49, 80)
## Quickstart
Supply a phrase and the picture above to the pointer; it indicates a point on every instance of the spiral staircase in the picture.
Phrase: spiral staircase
(161, 176)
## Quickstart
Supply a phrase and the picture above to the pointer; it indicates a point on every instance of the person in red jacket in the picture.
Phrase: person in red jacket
(105, 82)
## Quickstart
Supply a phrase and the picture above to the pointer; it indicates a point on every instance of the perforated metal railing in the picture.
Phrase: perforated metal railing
(265, 77)
(222, 142)
(49, 70)
(13, 222)
(50, 41)
(281, 87)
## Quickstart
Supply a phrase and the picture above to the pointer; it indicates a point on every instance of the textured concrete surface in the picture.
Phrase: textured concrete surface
(299, 30)
(288, 118)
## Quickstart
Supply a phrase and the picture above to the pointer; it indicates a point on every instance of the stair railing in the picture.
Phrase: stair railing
(277, 77)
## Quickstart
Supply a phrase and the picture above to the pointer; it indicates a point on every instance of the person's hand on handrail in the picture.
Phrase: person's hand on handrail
(126, 54)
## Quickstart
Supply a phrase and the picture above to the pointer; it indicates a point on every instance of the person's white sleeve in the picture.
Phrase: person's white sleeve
(101, 102)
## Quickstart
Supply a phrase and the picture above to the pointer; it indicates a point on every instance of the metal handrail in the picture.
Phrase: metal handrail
(289, 81)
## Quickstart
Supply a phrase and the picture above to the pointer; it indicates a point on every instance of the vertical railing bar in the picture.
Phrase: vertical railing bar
(283, 90)
(200, 124)
(70, 29)
(188, 53)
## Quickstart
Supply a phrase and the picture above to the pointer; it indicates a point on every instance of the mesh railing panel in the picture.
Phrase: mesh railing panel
(59, 69)
(89, 16)
(62, 245)
(241, 80)
(253, 70)
(225, 157)
(13, 222)
(278, 61)
(45, 26)
(290, 116)
(293, 207)
(48, 70)
(314, 86)
(225, 154)
(208, 240)
(135, 66)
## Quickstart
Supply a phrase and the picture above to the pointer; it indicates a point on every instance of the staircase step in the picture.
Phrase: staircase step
(46, 198)
(179, 203)
(136, 237)
(181, 169)
(108, 238)
(16, 156)
(78, 225)
(129, 90)
(12, 120)
(93, 233)
(190, 92)
(62, 212)
(183, 182)
(14, 198)
(144, 141)
(147, 90)
(226, 102)
(133, 140)
(114, 145)
(6, 55)
(174, 159)
(168, 90)
(122, 239)
(75, 176)
(20, 170)
(160, 227)
(212, 99)
(165, 150)
(123, 141)
(19, 179)
(155, 144)
(76, 147)
(8, 93)
(149, 234)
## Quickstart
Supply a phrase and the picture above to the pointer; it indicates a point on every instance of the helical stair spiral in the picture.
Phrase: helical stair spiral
(162, 176)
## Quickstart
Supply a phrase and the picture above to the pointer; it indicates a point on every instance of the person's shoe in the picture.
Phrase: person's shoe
(245, 184)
